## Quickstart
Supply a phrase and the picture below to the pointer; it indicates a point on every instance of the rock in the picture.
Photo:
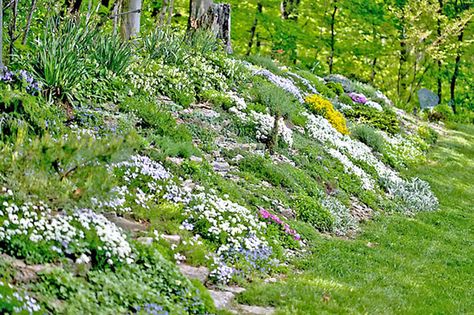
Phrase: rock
(233, 289)
(172, 239)
(427, 98)
(222, 299)
(255, 310)
(25, 273)
(221, 166)
(196, 159)
(145, 240)
(286, 212)
(175, 160)
(126, 224)
(199, 273)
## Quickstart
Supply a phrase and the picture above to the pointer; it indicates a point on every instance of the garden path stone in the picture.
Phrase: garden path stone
(222, 299)
(254, 310)
(126, 224)
(172, 239)
(199, 273)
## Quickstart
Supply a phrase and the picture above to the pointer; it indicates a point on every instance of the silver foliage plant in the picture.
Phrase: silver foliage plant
(415, 195)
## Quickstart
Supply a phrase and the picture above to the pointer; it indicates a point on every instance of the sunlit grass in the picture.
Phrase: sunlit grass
(402, 265)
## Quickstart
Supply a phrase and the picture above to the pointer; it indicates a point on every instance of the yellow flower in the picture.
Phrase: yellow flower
(322, 106)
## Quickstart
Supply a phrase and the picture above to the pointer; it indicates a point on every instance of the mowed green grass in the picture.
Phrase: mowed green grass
(397, 265)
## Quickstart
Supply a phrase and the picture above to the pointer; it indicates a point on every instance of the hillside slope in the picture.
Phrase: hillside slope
(234, 170)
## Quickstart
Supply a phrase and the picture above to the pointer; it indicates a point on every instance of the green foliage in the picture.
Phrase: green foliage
(112, 53)
(318, 83)
(152, 281)
(309, 210)
(336, 88)
(67, 170)
(386, 120)
(429, 135)
(265, 62)
(217, 98)
(278, 101)
(368, 135)
(345, 99)
(165, 44)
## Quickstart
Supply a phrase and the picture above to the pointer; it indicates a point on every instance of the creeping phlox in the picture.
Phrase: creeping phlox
(284, 83)
(13, 302)
(320, 129)
(272, 218)
(64, 233)
(401, 149)
(305, 82)
(266, 124)
(375, 105)
(358, 98)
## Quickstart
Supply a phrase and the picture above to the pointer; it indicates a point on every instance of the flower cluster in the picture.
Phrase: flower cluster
(324, 107)
(305, 82)
(284, 83)
(358, 98)
(401, 150)
(375, 105)
(21, 78)
(276, 220)
(65, 234)
(265, 124)
(151, 309)
(13, 302)
(224, 222)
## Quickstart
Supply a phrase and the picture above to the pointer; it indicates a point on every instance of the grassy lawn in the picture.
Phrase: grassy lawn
(397, 265)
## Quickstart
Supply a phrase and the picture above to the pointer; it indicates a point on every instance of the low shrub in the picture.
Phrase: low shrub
(309, 210)
(336, 88)
(368, 135)
(345, 99)
(324, 107)
(386, 120)
(217, 98)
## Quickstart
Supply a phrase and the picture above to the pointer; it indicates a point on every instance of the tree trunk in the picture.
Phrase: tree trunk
(440, 65)
(130, 17)
(12, 29)
(456, 71)
(333, 37)
(401, 82)
(1, 37)
(28, 22)
(289, 9)
(215, 17)
(254, 28)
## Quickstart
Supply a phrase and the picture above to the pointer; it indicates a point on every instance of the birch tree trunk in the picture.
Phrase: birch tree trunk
(215, 17)
(130, 27)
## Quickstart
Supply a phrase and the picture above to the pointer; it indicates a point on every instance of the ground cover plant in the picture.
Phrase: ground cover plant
(150, 172)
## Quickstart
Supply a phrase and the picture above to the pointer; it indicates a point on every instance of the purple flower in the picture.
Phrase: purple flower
(358, 98)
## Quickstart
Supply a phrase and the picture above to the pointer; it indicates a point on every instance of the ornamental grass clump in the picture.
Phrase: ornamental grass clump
(321, 106)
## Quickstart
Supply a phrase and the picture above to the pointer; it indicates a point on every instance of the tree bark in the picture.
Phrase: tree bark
(254, 28)
(12, 29)
(440, 65)
(28, 22)
(130, 17)
(456, 71)
(289, 9)
(333, 37)
(401, 82)
(215, 17)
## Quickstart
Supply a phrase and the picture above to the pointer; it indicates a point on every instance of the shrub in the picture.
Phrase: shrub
(412, 196)
(345, 99)
(427, 134)
(318, 83)
(324, 107)
(386, 120)
(336, 88)
(217, 98)
(311, 211)
(368, 135)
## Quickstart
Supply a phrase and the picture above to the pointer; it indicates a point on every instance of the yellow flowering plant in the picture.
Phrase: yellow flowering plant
(324, 107)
